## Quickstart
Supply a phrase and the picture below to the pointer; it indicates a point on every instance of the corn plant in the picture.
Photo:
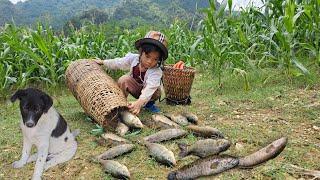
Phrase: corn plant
(216, 38)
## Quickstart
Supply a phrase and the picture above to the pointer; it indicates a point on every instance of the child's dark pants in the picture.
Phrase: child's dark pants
(130, 86)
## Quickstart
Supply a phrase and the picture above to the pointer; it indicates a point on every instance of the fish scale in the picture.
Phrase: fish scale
(161, 153)
(203, 148)
(116, 169)
(165, 135)
(163, 122)
(116, 151)
(130, 119)
(204, 167)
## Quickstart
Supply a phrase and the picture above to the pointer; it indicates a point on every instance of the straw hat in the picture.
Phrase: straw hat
(155, 38)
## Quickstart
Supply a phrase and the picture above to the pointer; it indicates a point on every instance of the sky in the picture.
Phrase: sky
(15, 1)
(237, 3)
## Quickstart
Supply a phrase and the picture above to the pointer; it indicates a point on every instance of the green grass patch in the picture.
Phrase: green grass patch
(251, 118)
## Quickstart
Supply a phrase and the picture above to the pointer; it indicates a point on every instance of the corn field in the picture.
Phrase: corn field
(285, 35)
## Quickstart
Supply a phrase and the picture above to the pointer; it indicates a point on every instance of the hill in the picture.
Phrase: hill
(129, 12)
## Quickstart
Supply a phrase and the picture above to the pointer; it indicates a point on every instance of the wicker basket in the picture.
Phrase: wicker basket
(177, 84)
(77, 70)
(98, 94)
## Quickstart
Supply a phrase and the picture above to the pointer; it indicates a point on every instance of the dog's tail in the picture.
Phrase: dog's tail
(75, 133)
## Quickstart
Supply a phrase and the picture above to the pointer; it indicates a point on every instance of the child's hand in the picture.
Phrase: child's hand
(99, 61)
(135, 107)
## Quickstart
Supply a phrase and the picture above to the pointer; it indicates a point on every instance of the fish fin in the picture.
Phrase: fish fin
(189, 119)
(168, 116)
(122, 176)
(192, 121)
(183, 150)
(214, 165)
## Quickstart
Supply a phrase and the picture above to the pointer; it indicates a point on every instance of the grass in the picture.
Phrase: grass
(270, 109)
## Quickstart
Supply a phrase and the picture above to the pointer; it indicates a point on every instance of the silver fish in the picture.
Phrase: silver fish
(161, 153)
(269, 152)
(205, 131)
(191, 117)
(178, 118)
(163, 122)
(122, 129)
(116, 169)
(116, 151)
(130, 119)
(114, 139)
(204, 148)
(165, 135)
(212, 165)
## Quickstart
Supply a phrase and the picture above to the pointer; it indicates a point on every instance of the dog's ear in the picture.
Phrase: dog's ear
(47, 102)
(18, 95)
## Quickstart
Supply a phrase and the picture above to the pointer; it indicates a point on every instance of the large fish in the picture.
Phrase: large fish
(205, 131)
(114, 139)
(204, 148)
(160, 153)
(116, 151)
(165, 135)
(130, 119)
(116, 169)
(190, 117)
(122, 129)
(269, 152)
(212, 165)
(163, 122)
(178, 118)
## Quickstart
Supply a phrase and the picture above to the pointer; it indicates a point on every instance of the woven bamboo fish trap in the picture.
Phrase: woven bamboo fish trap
(98, 94)
(177, 84)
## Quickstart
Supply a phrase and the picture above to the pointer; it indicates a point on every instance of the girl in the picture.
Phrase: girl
(143, 80)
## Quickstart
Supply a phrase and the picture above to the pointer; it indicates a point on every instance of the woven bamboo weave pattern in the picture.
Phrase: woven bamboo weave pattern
(76, 71)
(177, 82)
(98, 94)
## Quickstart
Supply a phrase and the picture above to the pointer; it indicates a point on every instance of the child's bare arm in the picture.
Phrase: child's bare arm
(136, 106)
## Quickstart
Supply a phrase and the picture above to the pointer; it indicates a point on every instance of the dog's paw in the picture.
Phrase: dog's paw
(18, 164)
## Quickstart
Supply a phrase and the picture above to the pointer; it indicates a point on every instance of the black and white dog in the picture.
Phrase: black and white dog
(45, 128)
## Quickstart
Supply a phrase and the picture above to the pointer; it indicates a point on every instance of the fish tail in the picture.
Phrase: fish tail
(121, 117)
(143, 142)
(183, 150)
(218, 135)
(172, 176)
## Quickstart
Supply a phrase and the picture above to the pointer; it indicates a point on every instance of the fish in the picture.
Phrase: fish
(116, 169)
(165, 135)
(130, 119)
(116, 151)
(192, 118)
(211, 165)
(205, 131)
(114, 139)
(269, 152)
(163, 122)
(178, 118)
(204, 148)
(122, 129)
(160, 153)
